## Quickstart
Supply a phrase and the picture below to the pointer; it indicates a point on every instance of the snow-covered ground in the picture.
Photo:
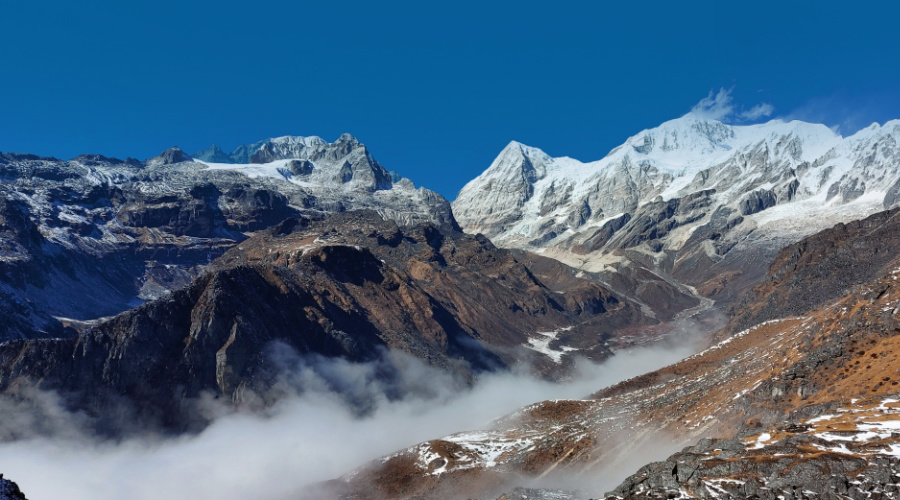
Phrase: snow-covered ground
(542, 342)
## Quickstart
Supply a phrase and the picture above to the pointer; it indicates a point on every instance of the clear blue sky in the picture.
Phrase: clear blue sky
(435, 89)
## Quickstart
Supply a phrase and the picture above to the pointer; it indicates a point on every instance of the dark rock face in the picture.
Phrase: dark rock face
(757, 201)
(300, 167)
(10, 490)
(349, 286)
(632, 284)
(597, 240)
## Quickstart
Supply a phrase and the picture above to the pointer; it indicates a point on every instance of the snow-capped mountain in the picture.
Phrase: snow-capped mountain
(345, 163)
(683, 195)
(113, 232)
(340, 173)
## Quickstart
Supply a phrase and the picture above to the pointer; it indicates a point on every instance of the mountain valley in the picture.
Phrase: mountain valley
(802, 403)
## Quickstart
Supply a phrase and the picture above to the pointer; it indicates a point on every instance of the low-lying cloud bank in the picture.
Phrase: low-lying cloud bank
(342, 417)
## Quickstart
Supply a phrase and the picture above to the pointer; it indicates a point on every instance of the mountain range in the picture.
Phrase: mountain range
(138, 287)
(696, 199)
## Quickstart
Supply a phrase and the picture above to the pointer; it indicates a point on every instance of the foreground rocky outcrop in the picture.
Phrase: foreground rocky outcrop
(93, 236)
(10, 490)
(353, 286)
(801, 465)
(800, 403)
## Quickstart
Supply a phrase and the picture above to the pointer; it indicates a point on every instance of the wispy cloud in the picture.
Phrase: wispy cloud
(720, 106)
(714, 107)
(761, 110)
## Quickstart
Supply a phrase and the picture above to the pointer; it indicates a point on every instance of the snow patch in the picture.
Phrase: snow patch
(542, 343)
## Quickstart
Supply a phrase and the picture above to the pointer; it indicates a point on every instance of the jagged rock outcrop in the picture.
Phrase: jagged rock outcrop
(350, 286)
(170, 156)
(346, 161)
(10, 490)
(93, 236)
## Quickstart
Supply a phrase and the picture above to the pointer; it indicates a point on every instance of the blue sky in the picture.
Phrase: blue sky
(435, 89)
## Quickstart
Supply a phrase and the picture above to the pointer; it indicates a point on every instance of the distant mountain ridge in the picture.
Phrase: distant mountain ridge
(276, 148)
(792, 161)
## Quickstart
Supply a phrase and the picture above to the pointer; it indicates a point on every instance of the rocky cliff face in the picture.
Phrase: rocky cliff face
(797, 405)
(93, 236)
(707, 203)
(350, 286)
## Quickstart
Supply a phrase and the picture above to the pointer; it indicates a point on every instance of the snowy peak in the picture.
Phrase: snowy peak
(690, 138)
(345, 163)
(277, 148)
(508, 184)
(689, 186)
(518, 161)
(170, 156)
(684, 134)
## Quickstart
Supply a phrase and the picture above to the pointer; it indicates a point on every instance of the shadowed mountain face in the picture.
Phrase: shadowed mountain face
(90, 237)
(350, 286)
(806, 401)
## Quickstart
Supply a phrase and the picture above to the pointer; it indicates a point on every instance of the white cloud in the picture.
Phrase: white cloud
(720, 106)
(714, 107)
(761, 110)
(302, 440)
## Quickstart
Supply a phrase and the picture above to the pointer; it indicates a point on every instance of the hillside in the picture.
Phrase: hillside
(802, 402)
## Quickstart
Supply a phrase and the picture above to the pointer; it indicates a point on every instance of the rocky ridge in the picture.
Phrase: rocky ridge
(92, 236)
